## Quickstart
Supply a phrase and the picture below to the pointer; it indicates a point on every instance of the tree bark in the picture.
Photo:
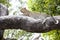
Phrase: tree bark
(29, 24)
(3, 12)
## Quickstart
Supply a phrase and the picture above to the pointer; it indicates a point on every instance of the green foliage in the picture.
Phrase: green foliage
(5, 2)
(17, 34)
(51, 7)
(47, 6)
(52, 35)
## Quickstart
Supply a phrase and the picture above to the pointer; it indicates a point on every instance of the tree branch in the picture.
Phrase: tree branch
(29, 24)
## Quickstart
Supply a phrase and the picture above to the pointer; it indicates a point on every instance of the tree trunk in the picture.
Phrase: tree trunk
(3, 12)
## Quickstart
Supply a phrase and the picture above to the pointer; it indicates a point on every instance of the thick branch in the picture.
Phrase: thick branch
(29, 24)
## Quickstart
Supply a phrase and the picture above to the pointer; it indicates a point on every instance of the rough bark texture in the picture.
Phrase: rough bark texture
(3, 12)
(29, 24)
